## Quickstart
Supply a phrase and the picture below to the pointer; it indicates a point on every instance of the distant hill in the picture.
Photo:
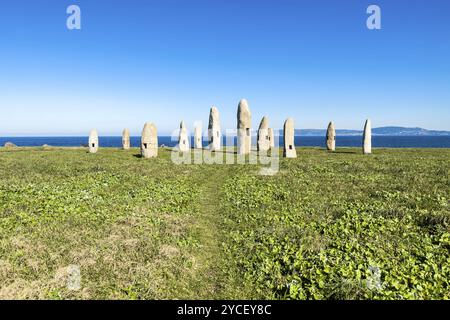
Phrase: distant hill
(382, 131)
(401, 131)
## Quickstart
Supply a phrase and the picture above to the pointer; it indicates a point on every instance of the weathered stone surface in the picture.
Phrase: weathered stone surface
(93, 141)
(126, 139)
(367, 137)
(198, 137)
(183, 138)
(244, 125)
(263, 135)
(214, 134)
(149, 141)
(289, 146)
(331, 137)
(10, 145)
(271, 138)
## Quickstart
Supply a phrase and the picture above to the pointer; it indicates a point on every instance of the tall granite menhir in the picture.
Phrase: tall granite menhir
(367, 137)
(198, 136)
(271, 138)
(126, 139)
(289, 133)
(263, 135)
(183, 139)
(214, 135)
(331, 137)
(93, 141)
(149, 141)
(244, 124)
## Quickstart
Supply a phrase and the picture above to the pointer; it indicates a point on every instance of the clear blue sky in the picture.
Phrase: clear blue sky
(165, 60)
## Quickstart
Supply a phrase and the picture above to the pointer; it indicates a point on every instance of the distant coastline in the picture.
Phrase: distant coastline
(381, 131)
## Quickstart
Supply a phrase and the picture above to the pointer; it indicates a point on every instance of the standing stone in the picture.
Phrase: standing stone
(271, 138)
(289, 146)
(93, 141)
(149, 141)
(367, 138)
(263, 135)
(126, 139)
(198, 136)
(183, 139)
(244, 123)
(331, 137)
(214, 135)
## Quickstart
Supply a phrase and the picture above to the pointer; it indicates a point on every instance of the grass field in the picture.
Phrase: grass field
(327, 226)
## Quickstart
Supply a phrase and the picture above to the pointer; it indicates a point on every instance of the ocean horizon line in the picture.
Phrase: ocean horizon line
(170, 141)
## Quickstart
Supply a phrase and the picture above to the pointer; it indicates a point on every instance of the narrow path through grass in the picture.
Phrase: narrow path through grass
(210, 260)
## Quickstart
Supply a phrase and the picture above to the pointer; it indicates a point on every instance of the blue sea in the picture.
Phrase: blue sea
(309, 141)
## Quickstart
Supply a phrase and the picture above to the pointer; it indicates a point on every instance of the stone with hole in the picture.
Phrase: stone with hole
(263, 138)
(93, 141)
(183, 138)
(149, 141)
(271, 138)
(214, 135)
(198, 136)
(288, 139)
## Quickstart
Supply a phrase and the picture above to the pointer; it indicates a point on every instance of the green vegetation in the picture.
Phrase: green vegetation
(327, 226)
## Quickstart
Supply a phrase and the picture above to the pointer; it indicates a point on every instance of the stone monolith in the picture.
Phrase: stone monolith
(126, 139)
(244, 123)
(93, 141)
(271, 138)
(331, 137)
(289, 133)
(198, 137)
(263, 135)
(149, 141)
(214, 135)
(367, 138)
(183, 139)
